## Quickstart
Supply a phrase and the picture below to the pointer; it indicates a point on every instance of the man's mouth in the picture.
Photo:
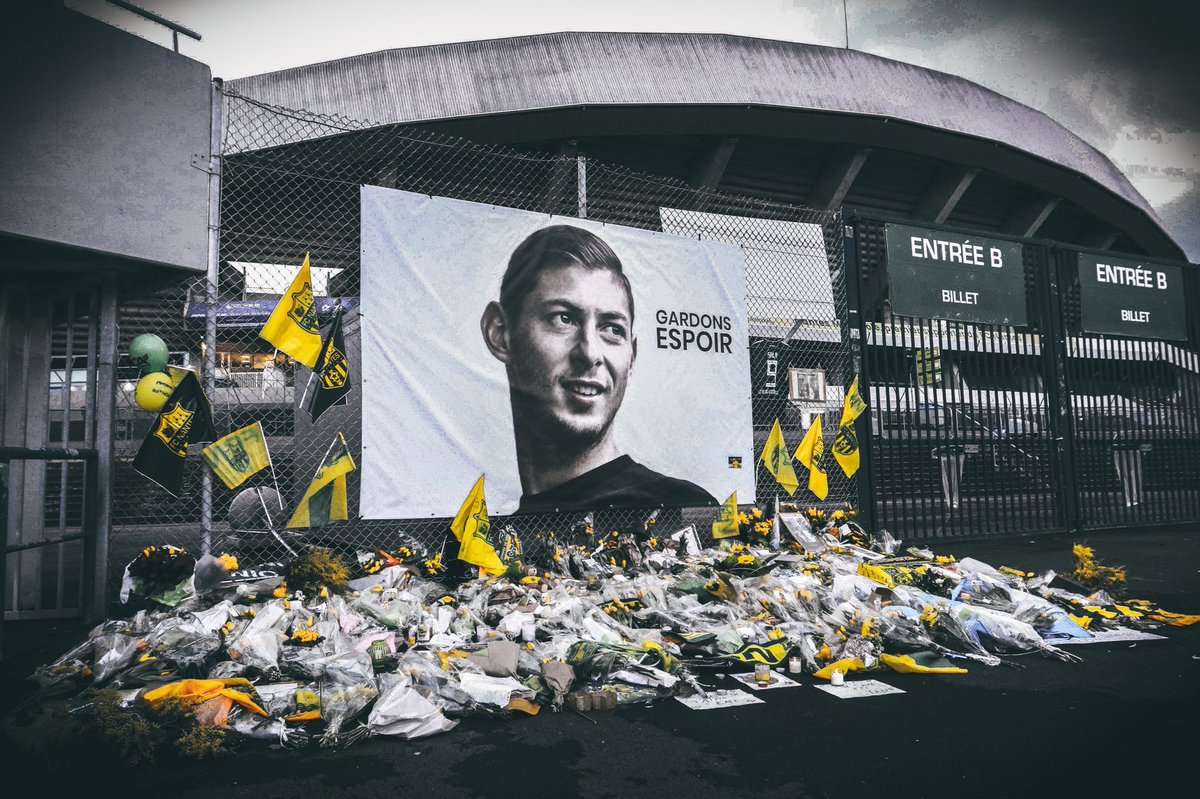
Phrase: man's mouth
(583, 388)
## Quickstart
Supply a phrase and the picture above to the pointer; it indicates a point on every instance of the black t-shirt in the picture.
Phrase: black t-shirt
(622, 482)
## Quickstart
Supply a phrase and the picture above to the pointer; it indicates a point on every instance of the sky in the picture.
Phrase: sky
(1119, 74)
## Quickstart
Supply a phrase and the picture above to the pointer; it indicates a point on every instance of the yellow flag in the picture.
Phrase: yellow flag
(238, 456)
(920, 663)
(472, 528)
(778, 460)
(811, 453)
(725, 525)
(845, 445)
(293, 326)
(325, 499)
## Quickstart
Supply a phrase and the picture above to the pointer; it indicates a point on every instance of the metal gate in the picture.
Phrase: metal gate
(997, 429)
(52, 390)
(1135, 414)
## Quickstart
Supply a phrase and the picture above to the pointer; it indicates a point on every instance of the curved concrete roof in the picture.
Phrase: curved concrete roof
(564, 70)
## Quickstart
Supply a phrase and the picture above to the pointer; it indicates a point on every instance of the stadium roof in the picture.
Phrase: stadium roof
(847, 127)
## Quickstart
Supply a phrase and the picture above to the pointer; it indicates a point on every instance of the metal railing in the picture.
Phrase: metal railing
(73, 587)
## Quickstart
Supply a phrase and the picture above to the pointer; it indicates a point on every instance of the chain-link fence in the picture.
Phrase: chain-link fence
(290, 185)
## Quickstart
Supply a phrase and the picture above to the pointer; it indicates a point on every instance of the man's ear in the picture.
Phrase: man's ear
(494, 326)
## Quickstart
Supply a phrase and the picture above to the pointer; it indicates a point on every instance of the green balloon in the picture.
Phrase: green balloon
(149, 353)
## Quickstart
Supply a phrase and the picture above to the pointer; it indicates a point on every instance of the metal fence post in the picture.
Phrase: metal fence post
(105, 400)
(857, 323)
(211, 295)
(581, 172)
(1058, 390)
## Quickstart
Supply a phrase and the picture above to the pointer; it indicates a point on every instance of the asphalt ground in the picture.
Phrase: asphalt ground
(1121, 720)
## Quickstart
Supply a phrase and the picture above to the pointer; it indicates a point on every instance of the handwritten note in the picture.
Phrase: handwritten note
(715, 699)
(859, 689)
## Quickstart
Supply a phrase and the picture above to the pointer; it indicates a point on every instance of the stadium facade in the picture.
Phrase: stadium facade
(815, 159)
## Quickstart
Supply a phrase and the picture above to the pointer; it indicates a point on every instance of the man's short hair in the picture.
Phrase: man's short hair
(552, 247)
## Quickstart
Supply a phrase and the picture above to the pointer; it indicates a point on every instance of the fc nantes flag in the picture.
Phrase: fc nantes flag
(332, 371)
(811, 453)
(293, 326)
(779, 461)
(725, 525)
(845, 446)
(325, 499)
(473, 529)
(239, 456)
(185, 418)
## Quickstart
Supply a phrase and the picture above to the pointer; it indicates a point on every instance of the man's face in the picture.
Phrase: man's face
(572, 351)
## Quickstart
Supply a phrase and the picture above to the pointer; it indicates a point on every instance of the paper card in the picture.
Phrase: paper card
(777, 681)
(688, 540)
(859, 689)
(715, 699)
(1110, 636)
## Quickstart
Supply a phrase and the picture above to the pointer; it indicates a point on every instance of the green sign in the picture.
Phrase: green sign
(939, 275)
(1128, 298)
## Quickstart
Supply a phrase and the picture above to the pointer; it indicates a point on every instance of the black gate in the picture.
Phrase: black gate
(996, 429)
(1135, 414)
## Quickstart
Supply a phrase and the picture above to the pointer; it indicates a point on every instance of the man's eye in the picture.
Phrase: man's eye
(563, 319)
(613, 331)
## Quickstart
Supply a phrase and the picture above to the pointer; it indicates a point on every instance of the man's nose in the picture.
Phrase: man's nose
(587, 346)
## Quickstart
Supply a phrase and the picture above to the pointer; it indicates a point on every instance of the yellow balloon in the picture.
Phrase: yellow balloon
(153, 391)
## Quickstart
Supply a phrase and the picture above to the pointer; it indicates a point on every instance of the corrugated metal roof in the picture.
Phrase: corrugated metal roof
(498, 76)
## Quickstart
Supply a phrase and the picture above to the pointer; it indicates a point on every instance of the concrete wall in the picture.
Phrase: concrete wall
(97, 134)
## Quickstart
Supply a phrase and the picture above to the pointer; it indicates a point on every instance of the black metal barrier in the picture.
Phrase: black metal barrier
(85, 512)
(994, 429)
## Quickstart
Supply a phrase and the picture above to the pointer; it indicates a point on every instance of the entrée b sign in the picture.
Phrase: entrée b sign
(1129, 298)
(940, 275)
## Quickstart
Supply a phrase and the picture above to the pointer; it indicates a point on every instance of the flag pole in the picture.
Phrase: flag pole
(278, 493)
(775, 524)
(271, 465)
(271, 525)
(307, 385)
(332, 444)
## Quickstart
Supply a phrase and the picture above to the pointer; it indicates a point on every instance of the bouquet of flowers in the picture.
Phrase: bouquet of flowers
(159, 574)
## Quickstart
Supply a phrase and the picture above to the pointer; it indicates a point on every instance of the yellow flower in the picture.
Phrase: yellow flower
(757, 513)
(746, 560)
(1080, 551)
(228, 562)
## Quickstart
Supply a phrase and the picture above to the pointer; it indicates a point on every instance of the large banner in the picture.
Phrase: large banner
(579, 366)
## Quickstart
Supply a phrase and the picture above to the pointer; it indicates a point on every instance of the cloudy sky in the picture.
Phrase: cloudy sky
(1120, 74)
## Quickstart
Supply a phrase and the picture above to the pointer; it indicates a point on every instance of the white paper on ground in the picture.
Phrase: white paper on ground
(777, 681)
(858, 689)
(496, 691)
(715, 699)
(403, 712)
(212, 619)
